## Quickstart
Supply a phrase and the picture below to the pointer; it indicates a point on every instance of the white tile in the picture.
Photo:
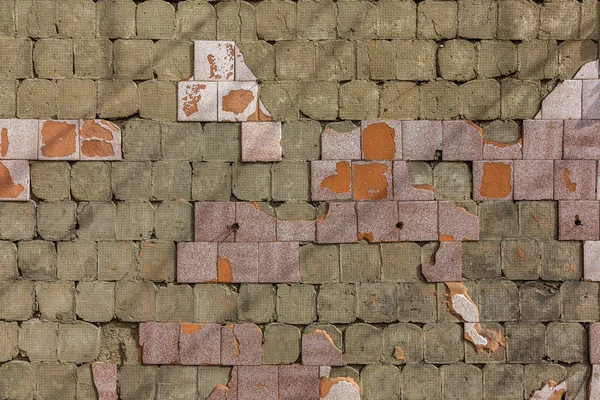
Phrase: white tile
(238, 101)
(197, 101)
(18, 139)
(214, 60)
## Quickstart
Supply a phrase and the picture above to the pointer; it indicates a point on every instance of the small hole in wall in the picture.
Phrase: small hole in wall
(578, 221)
(399, 225)
(235, 227)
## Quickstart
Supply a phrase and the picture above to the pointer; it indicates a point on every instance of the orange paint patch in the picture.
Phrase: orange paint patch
(97, 148)
(327, 384)
(190, 328)
(369, 181)
(8, 189)
(446, 238)
(495, 182)
(191, 99)
(212, 66)
(236, 101)
(339, 183)
(399, 354)
(477, 127)
(571, 186)
(378, 142)
(366, 235)
(92, 130)
(59, 139)
(520, 254)
(3, 142)
(424, 187)
(224, 273)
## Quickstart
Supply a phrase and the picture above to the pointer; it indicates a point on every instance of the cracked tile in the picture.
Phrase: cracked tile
(105, 380)
(242, 71)
(196, 262)
(502, 151)
(318, 349)
(200, 344)
(214, 221)
(457, 223)
(241, 344)
(588, 70)
(99, 140)
(550, 391)
(405, 187)
(14, 180)
(237, 263)
(341, 141)
(446, 265)
(462, 141)
(254, 224)
(258, 382)
(19, 139)
(341, 388)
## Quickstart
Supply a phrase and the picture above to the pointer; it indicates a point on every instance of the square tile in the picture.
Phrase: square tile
(502, 151)
(298, 382)
(574, 180)
(338, 225)
(99, 140)
(196, 262)
(200, 344)
(14, 180)
(456, 222)
(18, 139)
(404, 187)
(534, 179)
(418, 221)
(261, 141)
(58, 140)
(381, 140)
(237, 262)
(295, 230)
(258, 382)
(542, 139)
(254, 224)
(492, 180)
(421, 140)
(591, 99)
(594, 343)
(241, 344)
(578, 220)
(318, 349)
(589, 70)
(197, 101)
(564, 102)
(581, 140)
(214, 60)
(340, 141)
(242, 71)
(462, 141)
(238, 101)
(159, 342)
(378, 221)
(447, 266)
(591, 261)
(330, 180)
(372, 180)
(279, 262)
(214, 221)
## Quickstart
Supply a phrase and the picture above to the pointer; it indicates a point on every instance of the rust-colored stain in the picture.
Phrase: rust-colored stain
(92, 130)
(424, 187)
(378, 142)
(399, 354)
(570, 185)
(327, 384)
(212, 65)
(259, 115)
(446, 238)
(8, 189)
(224, 273)
(190, 328)
(191, 99)
(3, 142)
(366, 235)
(520, 254)
(97, 148)
(369, 181)
(477, 127)
(495, 182)
(236, 101)
(339, 183)
(59, 139)
(325, 335)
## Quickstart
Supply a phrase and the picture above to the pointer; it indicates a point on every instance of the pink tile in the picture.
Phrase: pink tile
(377, 221)
(457, 223)
(339, 225)
(58, 140)
(340, 144)
(241, 344)
(502, 151)
(534, 179)
(105, 380)
(404, 188)
(462, 140)
(318, 349)
(372, 180)
(261, 141)
(298, 382)
(381, 140)
(214, 221)
(197, 101)
(159, 342)
(578, 220)
(542, 139)
(574, 180)
(99, 140)
(242, 71)
(196, 262)
(295, 230)
(418, 220)
(493, 180)
(254, 225)
(238, 101)
(14, 180)
(279, 262)
(19, 139)
(228, 392)
(258, 382)
(591, 261)
(214, 60)
(237, 262)
(448, 264)
(594, 342)
(591, 99)
(581, 140)
(200, 344)
(564, 102)
(421, 140)
(331, 180)
(589, 70)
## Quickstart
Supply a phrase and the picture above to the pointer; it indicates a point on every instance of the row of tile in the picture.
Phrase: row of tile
(215, 344)
(219, 60)
(572, 99)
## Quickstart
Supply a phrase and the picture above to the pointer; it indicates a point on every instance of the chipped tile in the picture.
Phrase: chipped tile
(318, 349)
(460, 303)
(502, 151)
(331, 180)
(462, 141)
(533, 180)
(591, 261)
(404, 187)
(456, 223)
(564, 102)
(261, 141)
(14, 180)
(581, 140)
(594, 383)
(279, 262)
(298, 382)
(590, 99)
(589, 70)
(341, 141)
(196, 262)
(372, 180)
(447, 264)
(214, 60)
(254, 224)
(492, 180)
(238, 101)
(258, 382)
(574, 180)
(295, 230)
(421, 140)
(200, 344)
(19, 139)
(99, 140)
(214, 221)
(242, 71)
(105, 380)
(594, 341)
(241, 344)
(338, 225)
(237, 263)
(381, 140)
(197, 101)
(58, 140)
(550, 391)
(417, 220)
(341, 388)
(542, 139)
(378, 221)
(324, 371)
(263, 113)
(159, 342)
(578, 220)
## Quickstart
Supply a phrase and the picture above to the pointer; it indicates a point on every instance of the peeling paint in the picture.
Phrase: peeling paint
(341, 388)
(8, 188)
(224, 273)
(59, 139)
(369, 181)
(550, 391)
(339, 183)
(570, 185)
(378, 142)
(237, 101)
(188, 329)
(399, 354)
(3, 142)
(496, 180)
